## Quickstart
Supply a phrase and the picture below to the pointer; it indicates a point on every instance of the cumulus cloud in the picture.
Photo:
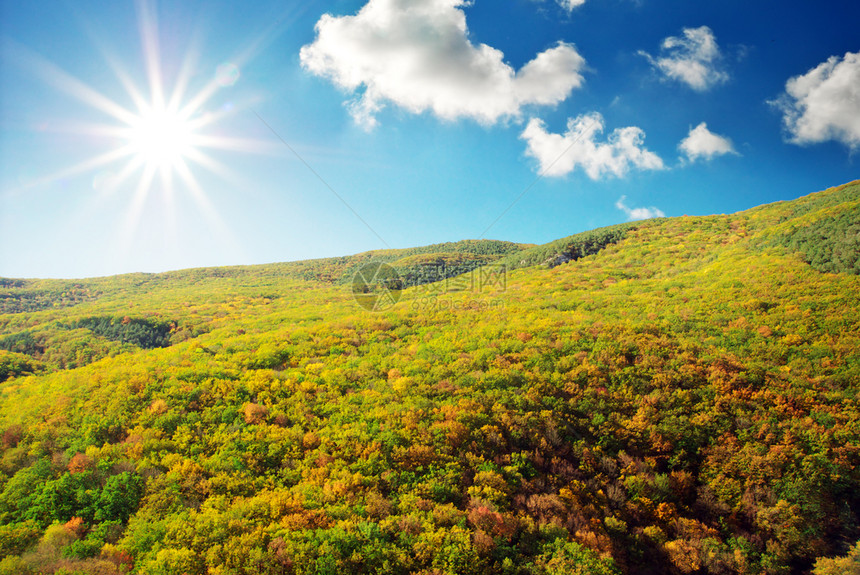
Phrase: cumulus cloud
(701, 143)
(560, 154)
(569, 5)
(824, 103)
(692, 58)
(634, 214)
(417, 55)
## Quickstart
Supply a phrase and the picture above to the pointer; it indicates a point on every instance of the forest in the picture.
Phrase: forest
(673, 396)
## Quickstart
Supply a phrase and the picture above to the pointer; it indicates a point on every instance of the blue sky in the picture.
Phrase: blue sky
(152, 136)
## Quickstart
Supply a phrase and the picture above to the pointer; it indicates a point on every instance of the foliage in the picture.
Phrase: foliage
(21, 344)
(681, 396)
(15, 538)
(143, 333)
(570, 248)
(822, 228)
(831, 244)
(14, 364)
(438, 262)
(848, 565)
(17, 296)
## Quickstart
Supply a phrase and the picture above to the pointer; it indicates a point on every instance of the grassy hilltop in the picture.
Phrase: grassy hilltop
(674, 396)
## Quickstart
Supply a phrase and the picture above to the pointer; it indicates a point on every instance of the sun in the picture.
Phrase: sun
(159, 133)
(160, 137)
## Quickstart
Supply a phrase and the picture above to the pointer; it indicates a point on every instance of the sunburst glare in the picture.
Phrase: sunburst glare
(156, 142)
(161, 137)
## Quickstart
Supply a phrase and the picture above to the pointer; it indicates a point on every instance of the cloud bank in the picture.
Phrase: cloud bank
(634, 214)
(560, 154)
(824, 103)
(416, 54)
(703, 144)
(692, 59)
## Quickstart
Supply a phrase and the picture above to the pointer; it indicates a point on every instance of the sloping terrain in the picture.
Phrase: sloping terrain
(54, 339)
(674, 396)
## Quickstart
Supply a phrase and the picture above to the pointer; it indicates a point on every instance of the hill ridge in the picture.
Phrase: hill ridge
(678, 396)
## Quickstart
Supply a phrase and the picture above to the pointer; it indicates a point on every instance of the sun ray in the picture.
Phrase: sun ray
(188, 63)
(200, 98)
(131, 167)
(135, 209)
(127, 83)
(202, 200)
(250, 145)
(148, 26)
(86, 129)
(197, 192)
(65, 82)
(169, 198)
(109, 187)
(161, 131)
(107, 53)
(203, 159)
(239, 60)
(80, 168)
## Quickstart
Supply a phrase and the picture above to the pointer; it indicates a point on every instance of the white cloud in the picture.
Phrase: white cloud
(560, 154)
(569, 5)
(701, 143)
(638, 213)
(824, 103)
(417, 55)
(692, 59)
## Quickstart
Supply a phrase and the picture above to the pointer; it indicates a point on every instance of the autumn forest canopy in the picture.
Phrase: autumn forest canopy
(671, 396)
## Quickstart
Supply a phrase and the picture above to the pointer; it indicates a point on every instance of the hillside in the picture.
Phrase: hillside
(677, 395)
